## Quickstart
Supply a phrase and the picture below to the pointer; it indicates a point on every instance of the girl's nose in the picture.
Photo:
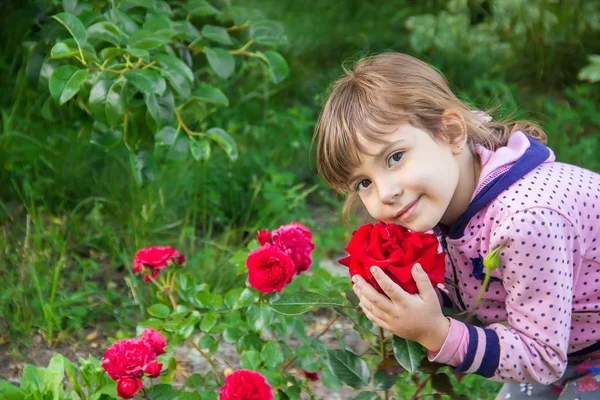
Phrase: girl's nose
(390, 195)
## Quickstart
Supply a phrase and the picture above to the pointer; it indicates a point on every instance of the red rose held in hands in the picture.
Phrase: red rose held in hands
(128, 387)
(246, 385)
(127, 358)
(156, 340)
(269, 269)
(395, 250)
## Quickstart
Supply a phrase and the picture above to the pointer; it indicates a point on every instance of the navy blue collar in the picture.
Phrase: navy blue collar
(535, 155)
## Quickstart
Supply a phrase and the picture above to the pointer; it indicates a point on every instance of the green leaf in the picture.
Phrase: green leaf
(591, 72)
(442, 384)
(179, 75)
(216, 34)
(66, 81)
(54, 376)
(143, 167)
(271, 354)
(200, 149)
(201, 8)
(268, 33)
(74, 26)
(302, 302)
(383, 381)
(161, 109)
(366, 396)
(232, 334)
(146, 81)
(331, 381)
(106, 102)
(70, 368)
(62, 50)
(149, 4)
(10, 392)
(211, 94)
(250, 360)
(33, 379)
(225, 141)
(108, 32)
(220, 61)
(349, 368)
(208, 321)
(209, 343)
(233, 297)
(166, 136)
(186, 328)
(146, 40)
(259, 316)
(159, 311)
(106, 137)
(408, 353)
(209, 300)
(278, 67)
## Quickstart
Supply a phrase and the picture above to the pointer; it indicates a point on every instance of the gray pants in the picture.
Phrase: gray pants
(578, 383)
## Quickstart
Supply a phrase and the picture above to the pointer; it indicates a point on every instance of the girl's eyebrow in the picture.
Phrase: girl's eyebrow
(378, 156)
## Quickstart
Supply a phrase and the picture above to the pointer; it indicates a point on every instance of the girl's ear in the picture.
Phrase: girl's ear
(454, 130)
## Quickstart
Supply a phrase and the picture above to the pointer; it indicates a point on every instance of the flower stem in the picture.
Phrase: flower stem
(421, 386)
(383, 355)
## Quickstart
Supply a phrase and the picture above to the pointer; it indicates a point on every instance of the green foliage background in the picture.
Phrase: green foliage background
(73, 211)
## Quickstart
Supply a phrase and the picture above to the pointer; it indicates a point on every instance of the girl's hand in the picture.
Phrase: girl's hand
(416, 317)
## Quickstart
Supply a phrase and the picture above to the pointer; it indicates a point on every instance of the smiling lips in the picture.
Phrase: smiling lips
(407, 211)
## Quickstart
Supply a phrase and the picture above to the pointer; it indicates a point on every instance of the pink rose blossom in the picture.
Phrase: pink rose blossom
(296, 240)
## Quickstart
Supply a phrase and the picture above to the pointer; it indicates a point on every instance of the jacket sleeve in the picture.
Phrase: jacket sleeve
(540, 254)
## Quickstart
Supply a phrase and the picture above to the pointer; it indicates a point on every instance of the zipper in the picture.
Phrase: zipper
(456, 287)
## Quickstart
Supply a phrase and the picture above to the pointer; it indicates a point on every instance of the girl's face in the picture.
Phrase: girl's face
(415, 181)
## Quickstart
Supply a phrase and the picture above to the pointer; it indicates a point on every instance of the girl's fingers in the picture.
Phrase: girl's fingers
(391, 288)
(375, 319)
(365, 291)
(426, 290)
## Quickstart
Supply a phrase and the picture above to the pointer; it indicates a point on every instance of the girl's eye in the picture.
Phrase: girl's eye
(395, 158)
(366, 183)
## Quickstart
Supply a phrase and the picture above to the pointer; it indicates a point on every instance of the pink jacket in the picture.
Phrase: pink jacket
(542, 307)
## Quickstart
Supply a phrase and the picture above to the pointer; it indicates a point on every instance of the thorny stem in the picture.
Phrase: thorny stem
(420, 387)
(195, 346)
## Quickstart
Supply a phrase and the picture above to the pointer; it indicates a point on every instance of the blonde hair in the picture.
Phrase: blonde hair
(376, 96)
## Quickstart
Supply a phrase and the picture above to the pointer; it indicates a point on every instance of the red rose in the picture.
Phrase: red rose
(311, 376)
(156, 258)
(128, 387)
(296, 240)
(269, 269)
(263, 237)
(395, 250)
(156, 340)
(153, 369)
(127, 358)
(246, 385)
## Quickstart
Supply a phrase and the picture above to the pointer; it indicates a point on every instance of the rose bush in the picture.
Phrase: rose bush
(395, 250)
(152, 259)
(263, 322)
(293, 239)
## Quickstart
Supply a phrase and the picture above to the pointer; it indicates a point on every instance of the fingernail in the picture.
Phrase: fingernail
(374, 270)
(354, 279)
(419, 268)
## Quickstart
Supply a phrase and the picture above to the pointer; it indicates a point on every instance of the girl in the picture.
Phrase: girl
(395, 139)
